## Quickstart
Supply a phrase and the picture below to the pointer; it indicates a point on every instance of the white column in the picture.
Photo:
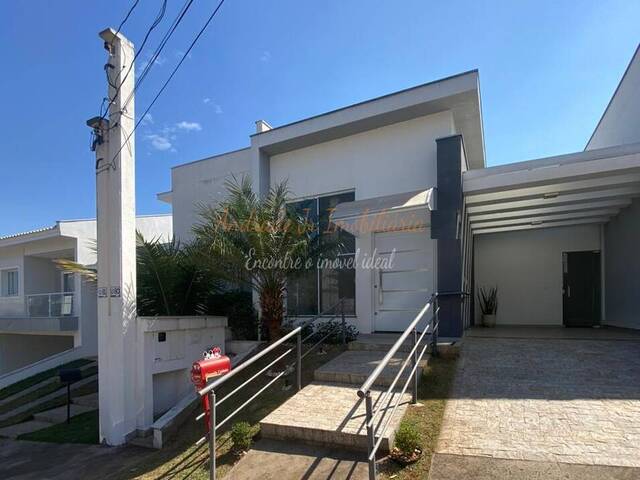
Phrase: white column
(115, 186)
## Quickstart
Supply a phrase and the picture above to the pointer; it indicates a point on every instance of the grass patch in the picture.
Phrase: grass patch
(39, 377)
(41, 392)
(182, 460)
(83, 428)
(432, 394)
(56, 402)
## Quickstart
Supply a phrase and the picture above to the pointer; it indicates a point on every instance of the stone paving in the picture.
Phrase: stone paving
(550, 400)
(354, 367)
(332, 414)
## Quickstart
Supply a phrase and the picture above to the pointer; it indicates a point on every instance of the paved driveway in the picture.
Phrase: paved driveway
(549, 400)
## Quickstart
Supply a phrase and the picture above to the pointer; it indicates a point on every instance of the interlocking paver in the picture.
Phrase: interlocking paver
(574, 401)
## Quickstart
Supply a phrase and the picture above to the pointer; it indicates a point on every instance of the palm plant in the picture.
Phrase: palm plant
(261, 243)
(170, 280)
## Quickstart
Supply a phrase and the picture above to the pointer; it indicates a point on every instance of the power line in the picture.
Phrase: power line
(154, 24)
(126, 17)
(172, 28)
(164, 86)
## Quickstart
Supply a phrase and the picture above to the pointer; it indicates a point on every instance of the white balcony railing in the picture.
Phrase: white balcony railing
(51, 304)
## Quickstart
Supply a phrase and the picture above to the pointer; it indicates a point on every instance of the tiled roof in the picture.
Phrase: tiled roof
(22, 234)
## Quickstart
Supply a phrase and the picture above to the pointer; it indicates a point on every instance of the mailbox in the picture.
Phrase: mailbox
(213, 364)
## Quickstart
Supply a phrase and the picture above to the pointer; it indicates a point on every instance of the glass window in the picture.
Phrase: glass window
(9, 282)
(316, 291)
(68, 283)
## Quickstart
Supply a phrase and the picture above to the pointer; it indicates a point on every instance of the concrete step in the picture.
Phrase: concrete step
(331, 414)
(144, 442)
(354, 367)
(90, 400)
(382, 342)
(40, 385)
(59, 414)
(62, 392)
(14, 431)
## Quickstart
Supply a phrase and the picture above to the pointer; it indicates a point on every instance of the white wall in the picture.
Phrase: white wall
(620, 123)
(164, 367)
(394, 159)
(622, 268)
(203, 182)
(526, 266)
(40, 276)
(158, 227)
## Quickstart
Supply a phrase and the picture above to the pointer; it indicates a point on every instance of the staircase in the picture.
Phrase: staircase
(43, 403)
(328, 411)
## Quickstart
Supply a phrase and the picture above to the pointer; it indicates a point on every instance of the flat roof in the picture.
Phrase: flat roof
(587, 187)
(459, 94)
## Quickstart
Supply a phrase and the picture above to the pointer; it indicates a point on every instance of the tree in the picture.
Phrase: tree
(170, 279)
(261, 243)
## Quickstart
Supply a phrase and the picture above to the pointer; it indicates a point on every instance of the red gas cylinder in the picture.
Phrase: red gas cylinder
(213, 364)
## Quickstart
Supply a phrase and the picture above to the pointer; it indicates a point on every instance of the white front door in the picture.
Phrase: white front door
(402, 290)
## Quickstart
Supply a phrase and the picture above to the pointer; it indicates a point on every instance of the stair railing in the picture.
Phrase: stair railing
(377, 427)
(210, 390)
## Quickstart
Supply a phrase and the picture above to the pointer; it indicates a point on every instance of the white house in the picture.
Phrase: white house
(555, 235)
(45, 312)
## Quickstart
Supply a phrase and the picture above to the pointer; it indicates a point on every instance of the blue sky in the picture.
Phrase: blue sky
(547, 71)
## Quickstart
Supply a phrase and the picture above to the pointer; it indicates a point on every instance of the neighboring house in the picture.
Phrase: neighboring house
(44, 311)
(555, 235)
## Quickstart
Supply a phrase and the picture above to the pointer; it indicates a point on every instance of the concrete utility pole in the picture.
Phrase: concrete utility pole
(116, 217)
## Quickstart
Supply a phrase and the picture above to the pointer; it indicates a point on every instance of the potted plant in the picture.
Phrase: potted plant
(488, 298)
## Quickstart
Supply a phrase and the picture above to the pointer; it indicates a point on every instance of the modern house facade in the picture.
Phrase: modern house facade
(46, 312)
(404, 177)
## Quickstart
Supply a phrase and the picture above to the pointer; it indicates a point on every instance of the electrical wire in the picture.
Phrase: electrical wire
(124, 20)
(154, 24)
(166, 83)
(152, 61)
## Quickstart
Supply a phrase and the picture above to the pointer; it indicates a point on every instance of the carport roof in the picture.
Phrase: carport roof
(588, 187)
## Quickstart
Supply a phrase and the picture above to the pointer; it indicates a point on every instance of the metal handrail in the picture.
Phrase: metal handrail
(384, 405)
(375, 433)
(210, 390)
(368, 383)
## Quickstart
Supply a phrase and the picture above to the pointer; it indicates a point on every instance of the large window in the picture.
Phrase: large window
(317, 290)
(9, 282)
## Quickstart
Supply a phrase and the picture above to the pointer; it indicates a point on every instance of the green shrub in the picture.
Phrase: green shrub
(242, 436)
(408, 438)
(237, 306)
(335, 327)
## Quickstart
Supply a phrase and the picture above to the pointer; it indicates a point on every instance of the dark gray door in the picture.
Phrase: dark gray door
(581, 289)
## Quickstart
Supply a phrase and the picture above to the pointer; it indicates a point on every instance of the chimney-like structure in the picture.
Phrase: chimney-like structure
(262, 126)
